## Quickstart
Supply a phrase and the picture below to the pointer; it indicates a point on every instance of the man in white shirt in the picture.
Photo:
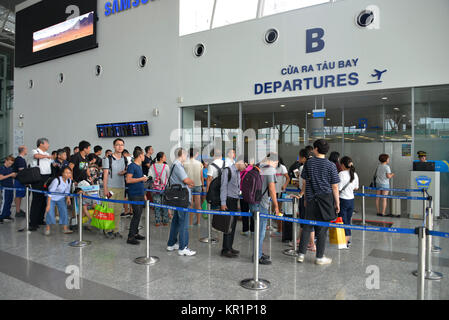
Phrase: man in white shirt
(41, 159)
(194, 170)
(213, 169)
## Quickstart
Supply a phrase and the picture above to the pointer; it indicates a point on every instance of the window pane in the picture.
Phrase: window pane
(194, 15)
(233, 11)
(277, 6)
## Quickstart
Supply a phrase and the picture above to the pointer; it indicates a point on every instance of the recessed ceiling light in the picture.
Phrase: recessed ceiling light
(384, 98)
(282, 105)
(396, 109)
(404, 115)
(328, 119)
(266, 122)
(309, 113)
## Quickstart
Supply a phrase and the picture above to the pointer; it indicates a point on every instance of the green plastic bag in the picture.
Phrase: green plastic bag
(204, 207)
(103, 217)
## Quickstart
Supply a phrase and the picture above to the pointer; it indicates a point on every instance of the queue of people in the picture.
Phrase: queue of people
(327, 189)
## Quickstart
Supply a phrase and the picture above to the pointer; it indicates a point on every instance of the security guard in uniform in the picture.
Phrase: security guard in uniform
(422, 156)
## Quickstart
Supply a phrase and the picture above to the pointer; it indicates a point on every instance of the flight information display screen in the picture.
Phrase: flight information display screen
(123, 129)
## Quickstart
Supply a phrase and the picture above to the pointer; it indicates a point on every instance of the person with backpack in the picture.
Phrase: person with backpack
(61, 184)
(179, 225)
(6, 180)
(79, 163)
(247, 222)
(42, 160)
(135, 180)
(322, 199)
(114, 170)
(160, 172)
(229, 197)
(194, 170)
(61, 160)
(349, 181)
(258, 186)
(214, 172)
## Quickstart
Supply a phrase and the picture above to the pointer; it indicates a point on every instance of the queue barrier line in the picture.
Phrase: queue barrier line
(395, 189)
(388, 196)
(247, 214)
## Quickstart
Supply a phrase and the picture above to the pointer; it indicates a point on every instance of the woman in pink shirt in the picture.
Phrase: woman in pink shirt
(248, 225)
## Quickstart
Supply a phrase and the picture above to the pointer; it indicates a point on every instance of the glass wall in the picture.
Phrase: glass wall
(361, 125)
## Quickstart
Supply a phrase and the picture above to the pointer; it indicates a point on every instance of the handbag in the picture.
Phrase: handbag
(176, 195)
(103, 217)
(322, 204)
(222, 223)
(337, 235)
(29, 176)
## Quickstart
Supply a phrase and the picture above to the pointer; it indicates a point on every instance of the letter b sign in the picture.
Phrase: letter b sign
(314, 40)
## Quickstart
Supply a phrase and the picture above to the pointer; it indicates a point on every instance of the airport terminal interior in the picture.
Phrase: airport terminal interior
(205, 80)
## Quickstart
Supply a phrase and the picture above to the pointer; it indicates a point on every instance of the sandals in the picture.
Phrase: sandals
(68, 231)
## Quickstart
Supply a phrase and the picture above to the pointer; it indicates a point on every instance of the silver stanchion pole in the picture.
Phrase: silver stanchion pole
(256, 283)
(147, 260)
(27, 211)
(363, 206)
(421, 262)
(292, 252)
(209, 238)
(434, 249)
(80, 243)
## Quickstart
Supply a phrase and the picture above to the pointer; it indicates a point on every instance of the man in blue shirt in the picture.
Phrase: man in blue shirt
(6, 180)
(20, 164)
(136, 192)
(180, 222)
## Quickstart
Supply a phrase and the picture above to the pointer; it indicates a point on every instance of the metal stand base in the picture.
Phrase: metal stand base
(251, 284)
(79, 244)
(436, 249)
(209, 240)
(430, 275)
(290, 252)
(147, 260)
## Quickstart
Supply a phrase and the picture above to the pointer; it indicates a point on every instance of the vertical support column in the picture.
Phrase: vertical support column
(147, 259)
(255, 283)
(421, 262)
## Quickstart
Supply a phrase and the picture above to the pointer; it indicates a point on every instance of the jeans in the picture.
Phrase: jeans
(179, 225)
(137, 213)
(160, 212)
(346, 211)
(63, 213)
(320, 233)
(38, 204)
(253, 208)
(5, 209)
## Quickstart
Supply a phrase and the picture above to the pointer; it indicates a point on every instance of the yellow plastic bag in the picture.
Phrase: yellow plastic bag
(337, 235)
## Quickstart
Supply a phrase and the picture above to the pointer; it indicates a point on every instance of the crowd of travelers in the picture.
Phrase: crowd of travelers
(227, 182)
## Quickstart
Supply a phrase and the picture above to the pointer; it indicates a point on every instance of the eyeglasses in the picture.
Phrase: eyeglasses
(119, 145)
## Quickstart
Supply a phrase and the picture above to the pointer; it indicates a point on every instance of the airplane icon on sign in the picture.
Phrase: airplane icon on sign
(377, 73)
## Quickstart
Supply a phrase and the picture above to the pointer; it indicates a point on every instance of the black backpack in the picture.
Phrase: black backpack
(110, 164)
(213, 195)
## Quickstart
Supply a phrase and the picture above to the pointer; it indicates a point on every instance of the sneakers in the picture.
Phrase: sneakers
(264, 260)
(228, 254)
(187, 252)
(132, 241)
(322, 261)
(118, 235)
(139, 237)
(8, 219)
(47, 232)
(246, 233)
(173, 248)
(300, 258)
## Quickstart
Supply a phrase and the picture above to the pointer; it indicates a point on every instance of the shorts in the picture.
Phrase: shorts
(382, 186)
(197, 189)
(19, 193)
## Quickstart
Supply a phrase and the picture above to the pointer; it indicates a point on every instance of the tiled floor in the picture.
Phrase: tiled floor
(33, 265)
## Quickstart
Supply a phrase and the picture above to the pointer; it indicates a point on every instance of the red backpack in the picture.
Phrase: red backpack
(251, 186)
(157, 184)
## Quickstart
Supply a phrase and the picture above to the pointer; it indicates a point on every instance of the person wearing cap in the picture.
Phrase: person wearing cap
(422, 156)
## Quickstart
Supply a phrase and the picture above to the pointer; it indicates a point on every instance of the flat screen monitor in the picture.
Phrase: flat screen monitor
(52, 29)
(423, 166)
(123, 129)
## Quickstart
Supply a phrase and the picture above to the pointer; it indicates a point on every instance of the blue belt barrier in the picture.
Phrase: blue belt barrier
(392, 189)
(388, 197)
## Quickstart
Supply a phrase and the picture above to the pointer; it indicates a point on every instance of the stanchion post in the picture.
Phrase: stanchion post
(27, 195)
(256, 283)
(434, 249)
(430, 275)
(293, 252)
(80, 243)
(209, 238)
(363, 206)
(421, 262)
(147, 259)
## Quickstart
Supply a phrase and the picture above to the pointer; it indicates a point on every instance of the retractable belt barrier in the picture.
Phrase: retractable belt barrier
(269, 216)
(395, 189)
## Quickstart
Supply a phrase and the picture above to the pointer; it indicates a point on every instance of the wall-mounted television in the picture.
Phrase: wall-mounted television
(52, 29)
(123, 129)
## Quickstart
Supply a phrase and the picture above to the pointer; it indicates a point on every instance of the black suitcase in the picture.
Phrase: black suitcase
(222, 223)
(29, 176)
